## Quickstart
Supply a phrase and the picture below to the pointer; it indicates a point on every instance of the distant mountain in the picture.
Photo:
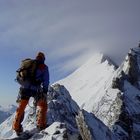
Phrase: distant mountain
(5, 112)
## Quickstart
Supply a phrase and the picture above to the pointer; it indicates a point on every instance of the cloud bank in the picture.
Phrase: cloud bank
(69, 32)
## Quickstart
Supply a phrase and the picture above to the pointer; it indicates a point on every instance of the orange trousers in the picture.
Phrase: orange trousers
(41, 114)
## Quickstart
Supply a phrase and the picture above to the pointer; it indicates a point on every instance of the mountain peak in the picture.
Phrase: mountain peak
(131, 66)
(89, 78)
(98, 58)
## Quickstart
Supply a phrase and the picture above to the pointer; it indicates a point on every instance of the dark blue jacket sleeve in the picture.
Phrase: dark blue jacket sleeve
(46, 78)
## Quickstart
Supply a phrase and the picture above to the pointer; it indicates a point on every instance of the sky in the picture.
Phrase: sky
(67, 31)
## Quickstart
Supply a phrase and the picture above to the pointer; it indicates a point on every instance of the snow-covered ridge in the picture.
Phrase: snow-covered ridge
(113, 95)
(61, 108)
(119, 105)
(61, 115)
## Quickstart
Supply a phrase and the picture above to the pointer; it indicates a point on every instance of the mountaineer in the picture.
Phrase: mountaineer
(33, 77)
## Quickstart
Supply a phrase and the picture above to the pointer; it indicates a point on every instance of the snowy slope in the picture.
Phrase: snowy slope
(5, 112)
(87, 81)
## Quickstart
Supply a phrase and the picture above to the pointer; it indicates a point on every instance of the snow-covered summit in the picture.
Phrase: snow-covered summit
(86, 81)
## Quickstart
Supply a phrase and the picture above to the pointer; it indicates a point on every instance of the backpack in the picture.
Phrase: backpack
(26, 71)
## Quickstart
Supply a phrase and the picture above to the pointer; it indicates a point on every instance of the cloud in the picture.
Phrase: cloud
(69, 31)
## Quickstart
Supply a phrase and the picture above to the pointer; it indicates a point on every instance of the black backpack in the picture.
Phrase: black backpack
(26, 71)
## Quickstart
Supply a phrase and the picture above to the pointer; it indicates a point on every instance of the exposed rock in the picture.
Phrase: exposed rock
(91, 128)
(119, 107)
